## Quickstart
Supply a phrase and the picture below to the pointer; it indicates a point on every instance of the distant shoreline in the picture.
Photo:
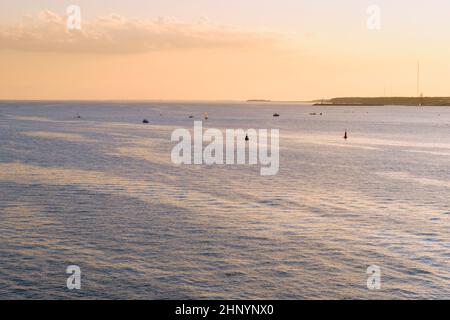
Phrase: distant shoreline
(387, 101)
(372, 101)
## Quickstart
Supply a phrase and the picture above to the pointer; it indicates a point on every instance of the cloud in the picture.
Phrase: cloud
(47, 32)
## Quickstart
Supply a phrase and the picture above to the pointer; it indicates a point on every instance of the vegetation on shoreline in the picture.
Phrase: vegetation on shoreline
(382, 101)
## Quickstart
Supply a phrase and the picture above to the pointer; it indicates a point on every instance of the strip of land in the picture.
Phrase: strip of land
(386, 101)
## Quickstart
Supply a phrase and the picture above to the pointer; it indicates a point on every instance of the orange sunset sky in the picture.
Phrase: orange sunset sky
(222, 50)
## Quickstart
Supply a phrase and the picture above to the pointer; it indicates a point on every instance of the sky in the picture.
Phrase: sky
(223, 49)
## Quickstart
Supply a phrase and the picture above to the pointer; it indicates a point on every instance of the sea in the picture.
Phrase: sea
(88, 184)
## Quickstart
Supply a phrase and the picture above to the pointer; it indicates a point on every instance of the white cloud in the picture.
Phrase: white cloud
(117, 34)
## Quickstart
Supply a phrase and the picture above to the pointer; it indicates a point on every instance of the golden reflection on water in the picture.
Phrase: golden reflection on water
(332, 225)
(146, 190)
(356, 141)
(58, 136)
(433, 153)
(404, 176)
(144, 154)
(40, 119)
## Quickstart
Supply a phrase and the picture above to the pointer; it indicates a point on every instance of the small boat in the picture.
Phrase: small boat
(145, 121)
(190, 117)
(276, 115)
(345, 135)
(247, 138)
(206, 115)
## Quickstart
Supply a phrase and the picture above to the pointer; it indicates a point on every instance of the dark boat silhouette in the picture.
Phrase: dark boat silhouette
(345, 135)
(145, 121)
(276, 115)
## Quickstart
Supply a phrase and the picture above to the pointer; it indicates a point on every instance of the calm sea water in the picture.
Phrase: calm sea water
(101, 192)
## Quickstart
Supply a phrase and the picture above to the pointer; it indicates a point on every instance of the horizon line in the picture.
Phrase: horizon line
(215, 100)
